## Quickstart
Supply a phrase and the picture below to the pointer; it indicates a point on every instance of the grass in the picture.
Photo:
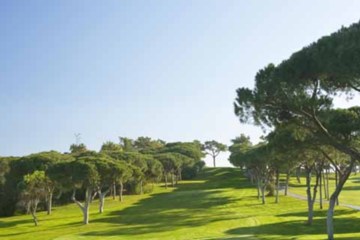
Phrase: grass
(349, 195)
(220, 204)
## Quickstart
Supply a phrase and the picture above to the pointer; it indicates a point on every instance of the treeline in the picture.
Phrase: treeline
(81, 175)
(295, 102)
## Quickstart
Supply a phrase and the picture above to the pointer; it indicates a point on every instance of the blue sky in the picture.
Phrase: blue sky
(164, 69)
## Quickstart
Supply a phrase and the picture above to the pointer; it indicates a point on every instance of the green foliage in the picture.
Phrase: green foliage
(84, 173)
(154, 169)
(110, 147)
(89, 171)
(190, 149)
(147, 145)
(121, 172)
(240, 145)
(190, 172)
(214, 147)
(78, 148)
(18, 168)
(170, 161)
(34, 183)
(300, 92)
(127, 144)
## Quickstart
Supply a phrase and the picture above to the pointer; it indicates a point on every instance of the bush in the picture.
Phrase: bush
(191, 172)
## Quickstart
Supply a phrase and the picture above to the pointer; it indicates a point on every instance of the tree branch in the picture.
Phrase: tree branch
(76, 201)
(354, 87)
(330, 160)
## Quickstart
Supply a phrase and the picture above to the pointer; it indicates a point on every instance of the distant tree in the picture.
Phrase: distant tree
(58, 177)
(110, 147)
(42, 161)
(239, 146)
(127, 144)
(121, 173)
(84, 175)
(137, 160)
(213, 148)
(189, 154)
(171, 163)
(4, 168)
(154, 170)
(32, 191)
(148, 145)
(78, 148)
(104, 168)
(192, 150)
(258, 164)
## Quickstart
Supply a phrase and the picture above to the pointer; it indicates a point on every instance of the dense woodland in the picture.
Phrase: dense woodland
(37, 181)
(294, 103)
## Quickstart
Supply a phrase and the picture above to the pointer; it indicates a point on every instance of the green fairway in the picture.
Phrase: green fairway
(219, 204)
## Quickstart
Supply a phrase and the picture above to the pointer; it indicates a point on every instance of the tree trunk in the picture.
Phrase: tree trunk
(84, 207)
(114, 190)
(93, 196)
(324, 184)
(287, 183)
(277, 182)
(332, 202)
(214, 160)
(58, 196)
(309, 198)
(327, 185)
(172, 180)
(330, 214)
(336, 183)
(49, 202)
(258, 189)
(298, 175)
(320, 188)
(33, 214)
(102, 196)
(101, 203)
(166, 183)
(121, 191)
(263, 200)
(88, 196)
(28, 207)
(141, 187)
(85, 215)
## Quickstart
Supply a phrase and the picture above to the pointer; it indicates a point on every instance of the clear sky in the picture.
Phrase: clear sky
(163, 69)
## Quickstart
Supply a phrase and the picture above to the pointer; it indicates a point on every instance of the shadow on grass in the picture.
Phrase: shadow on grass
(15, 223)
(298, 228)
(351, 188)
(182, 208)
(318, 213)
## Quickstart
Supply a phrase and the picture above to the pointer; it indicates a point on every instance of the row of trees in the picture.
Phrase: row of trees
(83, 175)
(294, 100)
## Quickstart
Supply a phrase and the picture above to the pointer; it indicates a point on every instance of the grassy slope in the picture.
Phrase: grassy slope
(218, 205)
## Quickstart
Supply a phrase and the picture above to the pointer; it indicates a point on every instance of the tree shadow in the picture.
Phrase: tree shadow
(15, 223)
(298, 227)
(182, 208)
(351, 188)
(318, 213)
